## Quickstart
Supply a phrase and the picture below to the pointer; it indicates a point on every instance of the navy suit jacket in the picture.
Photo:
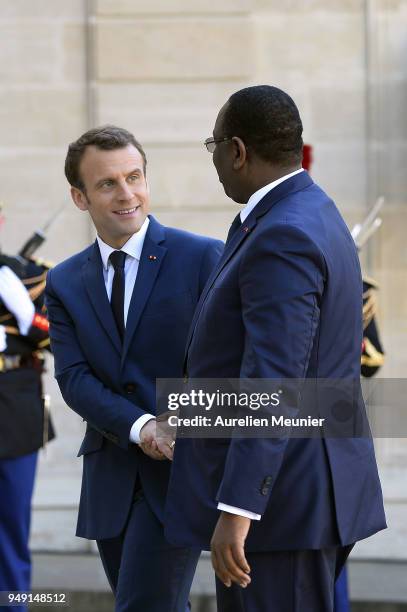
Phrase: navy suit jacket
(285, 301)
(110, 385)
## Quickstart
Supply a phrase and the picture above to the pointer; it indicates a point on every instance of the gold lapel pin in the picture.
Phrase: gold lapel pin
(152, 257)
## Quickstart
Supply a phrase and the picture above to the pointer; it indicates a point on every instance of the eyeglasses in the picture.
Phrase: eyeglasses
(210, 143)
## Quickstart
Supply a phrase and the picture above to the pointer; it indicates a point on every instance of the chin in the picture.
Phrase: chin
(229, 192)
(232, 196)
(136, 223)
(226, 190)
(236, 196)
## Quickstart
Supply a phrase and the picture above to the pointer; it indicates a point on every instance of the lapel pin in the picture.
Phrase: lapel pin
(246, 229)
(152, 257)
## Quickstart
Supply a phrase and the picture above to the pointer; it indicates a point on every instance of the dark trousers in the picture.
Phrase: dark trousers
(287, 581)
(16, 488)
(145, 572)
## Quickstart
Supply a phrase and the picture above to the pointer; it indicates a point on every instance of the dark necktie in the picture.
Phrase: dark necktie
(117, 259)
(234, 227)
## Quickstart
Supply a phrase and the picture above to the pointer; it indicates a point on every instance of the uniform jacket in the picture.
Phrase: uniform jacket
(24, 423)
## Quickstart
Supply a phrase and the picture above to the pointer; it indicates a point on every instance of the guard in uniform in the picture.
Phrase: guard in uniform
(372, 358)
(24, 423)
(372, 352)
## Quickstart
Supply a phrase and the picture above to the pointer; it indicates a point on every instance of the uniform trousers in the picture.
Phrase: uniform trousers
(341, 592)
(145, 572)
(286, 581)
(16, 488)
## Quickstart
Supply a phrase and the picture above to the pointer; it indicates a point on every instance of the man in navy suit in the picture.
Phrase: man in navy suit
(119, 314)
(280, 514)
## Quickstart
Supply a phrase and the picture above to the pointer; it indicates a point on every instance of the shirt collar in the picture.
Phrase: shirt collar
(260, 193)
(133, 246)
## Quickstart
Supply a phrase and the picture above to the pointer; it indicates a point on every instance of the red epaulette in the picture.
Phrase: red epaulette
(40, 322)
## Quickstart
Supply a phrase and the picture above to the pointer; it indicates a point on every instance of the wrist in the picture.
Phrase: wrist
(147, 432)
(137, 426)
(236, 518)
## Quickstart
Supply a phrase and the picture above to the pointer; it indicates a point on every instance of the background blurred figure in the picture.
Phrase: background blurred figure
(372, 351)
(372, 358)
(24, 421)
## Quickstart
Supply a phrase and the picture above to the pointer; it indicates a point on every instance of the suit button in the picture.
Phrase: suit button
(129, 388)
(265, 485)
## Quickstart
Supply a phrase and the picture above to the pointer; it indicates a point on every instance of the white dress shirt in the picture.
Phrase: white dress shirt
(132, 248)
(244, 213)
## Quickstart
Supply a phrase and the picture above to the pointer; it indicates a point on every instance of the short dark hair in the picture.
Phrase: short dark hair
(105, 137)
(268, 122)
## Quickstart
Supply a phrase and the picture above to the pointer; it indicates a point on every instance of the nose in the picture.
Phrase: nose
(125, 192)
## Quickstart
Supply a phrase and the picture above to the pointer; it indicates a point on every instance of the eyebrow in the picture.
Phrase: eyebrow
(109, 178)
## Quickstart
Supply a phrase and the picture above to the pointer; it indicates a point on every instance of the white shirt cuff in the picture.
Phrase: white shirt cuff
(25, 319)
(239, 511)
(137, 426)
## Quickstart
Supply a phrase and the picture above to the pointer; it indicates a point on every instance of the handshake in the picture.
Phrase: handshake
(156, 442)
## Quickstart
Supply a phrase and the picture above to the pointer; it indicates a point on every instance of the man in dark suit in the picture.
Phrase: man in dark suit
(107, 358)
(280, 514)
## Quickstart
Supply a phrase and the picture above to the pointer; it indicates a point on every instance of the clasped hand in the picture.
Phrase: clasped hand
(157, 444)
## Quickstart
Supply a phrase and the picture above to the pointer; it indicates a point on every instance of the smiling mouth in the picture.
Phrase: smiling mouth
(127, 211)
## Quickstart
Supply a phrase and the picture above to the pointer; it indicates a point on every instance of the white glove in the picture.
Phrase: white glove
(16, 299)
(3, 338)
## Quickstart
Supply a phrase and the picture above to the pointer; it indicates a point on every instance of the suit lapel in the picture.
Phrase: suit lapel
(92, 274)
(152, 256)
(296, 183)
(230, 248)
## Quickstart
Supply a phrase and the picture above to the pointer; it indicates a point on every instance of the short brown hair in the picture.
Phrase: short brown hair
(105, 137)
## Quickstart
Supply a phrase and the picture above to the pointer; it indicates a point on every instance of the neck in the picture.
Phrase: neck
(266, 176)
(115, 243)
(273, 175)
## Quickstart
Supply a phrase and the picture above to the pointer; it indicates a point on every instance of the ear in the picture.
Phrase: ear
(79, 198)
(239, 153)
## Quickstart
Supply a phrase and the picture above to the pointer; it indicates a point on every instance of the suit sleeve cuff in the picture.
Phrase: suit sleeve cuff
(137, 426)
(239, 511)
